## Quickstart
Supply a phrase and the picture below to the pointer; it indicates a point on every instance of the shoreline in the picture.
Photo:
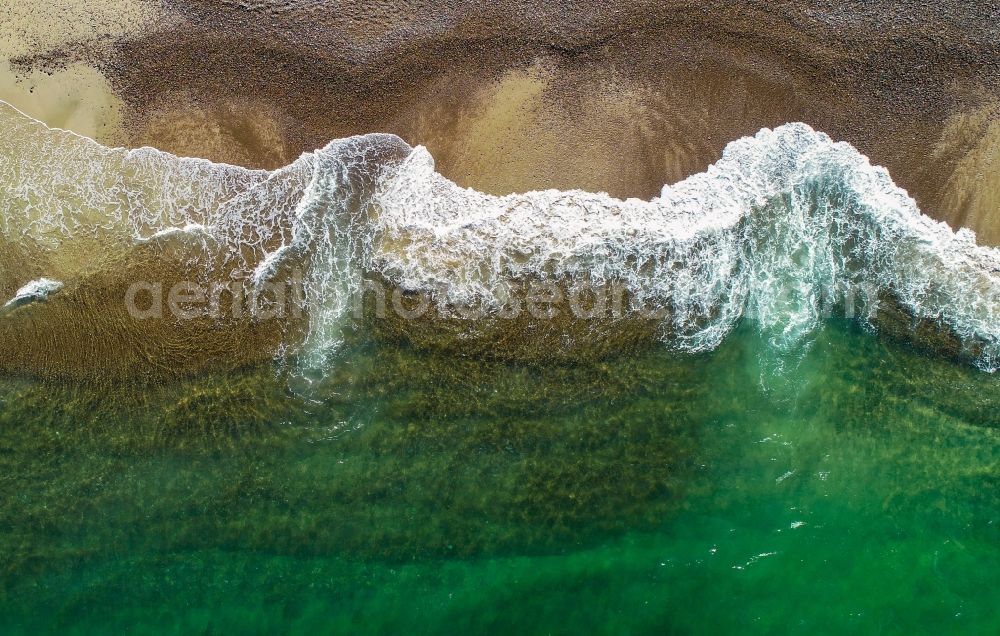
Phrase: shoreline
(565, 95)
(182, 224)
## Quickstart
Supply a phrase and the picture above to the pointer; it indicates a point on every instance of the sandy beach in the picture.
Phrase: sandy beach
(546, 95)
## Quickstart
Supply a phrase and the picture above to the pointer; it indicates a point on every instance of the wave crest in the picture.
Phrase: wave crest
(785, 225)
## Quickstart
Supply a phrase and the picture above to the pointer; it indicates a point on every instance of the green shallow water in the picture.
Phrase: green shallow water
(852, 489)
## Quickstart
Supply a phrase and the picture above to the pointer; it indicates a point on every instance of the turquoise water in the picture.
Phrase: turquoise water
(852, 486)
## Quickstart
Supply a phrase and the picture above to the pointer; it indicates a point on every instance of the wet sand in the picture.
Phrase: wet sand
(72, 94)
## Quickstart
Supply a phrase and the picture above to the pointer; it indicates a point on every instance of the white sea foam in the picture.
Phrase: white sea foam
(35, 290)
(785, 223)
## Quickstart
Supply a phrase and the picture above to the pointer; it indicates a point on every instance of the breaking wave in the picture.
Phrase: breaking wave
(785, 225)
